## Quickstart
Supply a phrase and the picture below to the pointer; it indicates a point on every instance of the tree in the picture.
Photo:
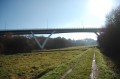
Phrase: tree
(11, 44)
(1, 48)
(109, 39)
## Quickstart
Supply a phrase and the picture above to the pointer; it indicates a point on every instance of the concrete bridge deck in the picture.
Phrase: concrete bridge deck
(49, 31)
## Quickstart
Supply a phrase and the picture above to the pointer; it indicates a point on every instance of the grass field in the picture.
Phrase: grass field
(105, 65)
(52, 64)
(32, 65)
(83, 70)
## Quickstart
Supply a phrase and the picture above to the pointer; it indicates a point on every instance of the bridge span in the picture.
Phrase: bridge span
(49, 31)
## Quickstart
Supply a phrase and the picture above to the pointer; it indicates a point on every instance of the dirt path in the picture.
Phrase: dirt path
(69, 71)
(94, 70)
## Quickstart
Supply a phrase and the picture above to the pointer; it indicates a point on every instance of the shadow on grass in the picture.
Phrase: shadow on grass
(42, 73)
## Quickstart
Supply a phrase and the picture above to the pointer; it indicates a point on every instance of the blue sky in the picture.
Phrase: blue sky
(28, 14)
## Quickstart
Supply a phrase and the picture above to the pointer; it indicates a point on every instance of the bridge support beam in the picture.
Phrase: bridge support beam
(97, 33)
(44, 43)
(36, 40)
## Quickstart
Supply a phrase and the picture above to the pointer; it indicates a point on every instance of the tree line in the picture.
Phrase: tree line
(12, 44)
(109, 38)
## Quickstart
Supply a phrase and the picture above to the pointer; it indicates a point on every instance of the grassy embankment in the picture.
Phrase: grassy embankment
(51, 65)
(105, 67)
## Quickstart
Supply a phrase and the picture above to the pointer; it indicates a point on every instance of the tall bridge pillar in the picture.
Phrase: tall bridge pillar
(44, 43)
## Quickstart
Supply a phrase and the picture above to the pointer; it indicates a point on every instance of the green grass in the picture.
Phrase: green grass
(53, 64)
(29, 65)
(105, 71)
(61, 69)
(83, 70)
